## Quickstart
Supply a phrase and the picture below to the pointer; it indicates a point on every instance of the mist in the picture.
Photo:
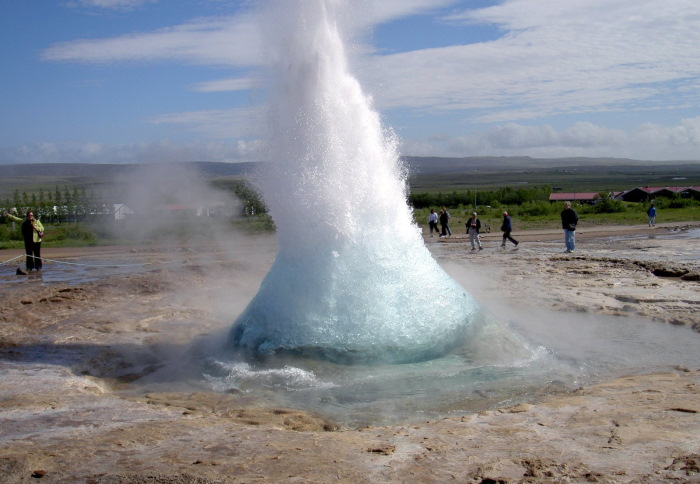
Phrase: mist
(171, 204)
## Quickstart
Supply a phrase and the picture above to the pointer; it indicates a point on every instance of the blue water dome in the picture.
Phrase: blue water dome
(353, 280)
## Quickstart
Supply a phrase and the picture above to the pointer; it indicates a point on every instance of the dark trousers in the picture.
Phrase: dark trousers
(506, 235)
(33, 251)
(433, 226)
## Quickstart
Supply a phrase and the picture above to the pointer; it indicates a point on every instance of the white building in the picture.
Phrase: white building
(120, 211)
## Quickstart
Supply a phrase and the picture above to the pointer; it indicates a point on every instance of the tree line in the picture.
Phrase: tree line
(57, 206)
(503, 196)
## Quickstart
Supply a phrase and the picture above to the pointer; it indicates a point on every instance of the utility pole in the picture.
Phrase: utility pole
(475, 189)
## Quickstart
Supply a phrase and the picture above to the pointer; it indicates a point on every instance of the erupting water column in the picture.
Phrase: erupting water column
(353, 280)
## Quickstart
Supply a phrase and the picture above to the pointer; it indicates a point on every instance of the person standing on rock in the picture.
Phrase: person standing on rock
(473, 228)
(32, 233)
(569, 219)
(507, 228)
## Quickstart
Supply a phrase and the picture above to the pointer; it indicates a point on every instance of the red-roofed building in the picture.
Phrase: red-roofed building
(581, 197)
(641, 194)
(691, 192)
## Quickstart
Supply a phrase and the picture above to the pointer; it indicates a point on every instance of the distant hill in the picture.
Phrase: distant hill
(425, 165)
(100, 171)
(418, 165)
(426, 174)
(432, 174)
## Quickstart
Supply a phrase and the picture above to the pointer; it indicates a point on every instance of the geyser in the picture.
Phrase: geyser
(353, 280)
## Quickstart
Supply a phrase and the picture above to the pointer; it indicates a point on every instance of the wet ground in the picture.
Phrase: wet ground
(80, 401)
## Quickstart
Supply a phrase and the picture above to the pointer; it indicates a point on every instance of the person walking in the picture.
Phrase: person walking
(447, 224)
(32, 233)
(569, 219)
(444, 221)
(652, 214)
(433, 222)
(507, 228)
(473, 228)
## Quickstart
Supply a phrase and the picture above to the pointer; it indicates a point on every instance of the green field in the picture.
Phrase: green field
(593, 178)
(634, 214)
(425, 175)
(430, 176)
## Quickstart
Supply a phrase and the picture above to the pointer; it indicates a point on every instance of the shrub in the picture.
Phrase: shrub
(608, 205)
(681, 203)
(6, 232)
(72, 231)
(536, 209)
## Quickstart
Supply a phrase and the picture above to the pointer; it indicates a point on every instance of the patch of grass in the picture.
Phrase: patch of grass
(254, 224)
(634, 214)
(63, 235)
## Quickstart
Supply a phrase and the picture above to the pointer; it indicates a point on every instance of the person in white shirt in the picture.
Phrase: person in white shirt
(433, 222)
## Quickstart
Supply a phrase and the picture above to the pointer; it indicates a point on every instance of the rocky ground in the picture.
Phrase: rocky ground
(70, 352)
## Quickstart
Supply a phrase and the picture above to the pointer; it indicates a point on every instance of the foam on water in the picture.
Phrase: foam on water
(353, 280)
(504, 361)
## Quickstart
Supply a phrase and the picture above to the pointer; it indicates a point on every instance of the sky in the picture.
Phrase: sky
(140, 81)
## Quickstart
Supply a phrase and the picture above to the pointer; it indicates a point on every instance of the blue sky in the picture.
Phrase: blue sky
(129, 81)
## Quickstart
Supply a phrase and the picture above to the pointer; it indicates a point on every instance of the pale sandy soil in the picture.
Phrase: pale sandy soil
(70, 351)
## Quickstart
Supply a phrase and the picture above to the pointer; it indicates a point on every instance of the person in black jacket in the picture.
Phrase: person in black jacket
(473, 228)
(569, 219)
(444, 223)
(507, 228)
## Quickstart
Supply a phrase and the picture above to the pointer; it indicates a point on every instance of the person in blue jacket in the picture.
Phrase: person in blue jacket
(652, 215)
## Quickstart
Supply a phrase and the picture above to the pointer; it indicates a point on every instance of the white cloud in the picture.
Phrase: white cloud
(647, 142)
(554, 58)
(685, 134)
(229, 41)
(588, 135)
(513, 136)
(232, 40)
(143, 152)
(577, 56)
(217, 123)
(110, 4)
(385, 10)
(225, 85)
(581, 135)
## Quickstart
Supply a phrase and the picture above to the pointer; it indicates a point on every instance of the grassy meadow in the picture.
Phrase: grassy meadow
(457, 179)
(634, 214)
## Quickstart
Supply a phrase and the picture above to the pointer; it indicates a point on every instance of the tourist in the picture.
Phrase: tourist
(569, 219)
(447, 223)
(433, 222)
(652, 214)
(32, 233)
(444, 221)
(473, 228)
(507, 228)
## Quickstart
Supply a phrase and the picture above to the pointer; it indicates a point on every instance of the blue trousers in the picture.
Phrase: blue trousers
(570, 239)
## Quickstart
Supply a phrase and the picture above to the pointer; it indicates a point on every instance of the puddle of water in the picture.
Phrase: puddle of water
(522, 358)
(69, 271)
